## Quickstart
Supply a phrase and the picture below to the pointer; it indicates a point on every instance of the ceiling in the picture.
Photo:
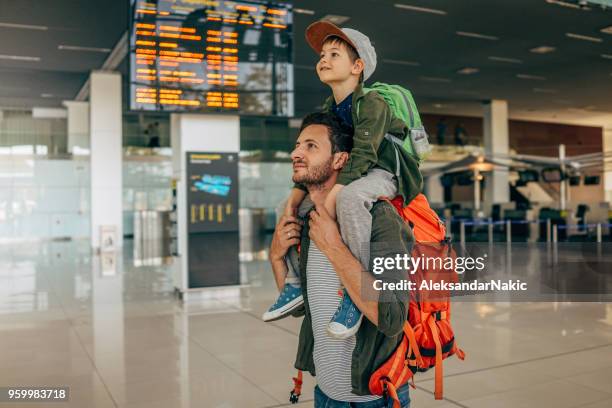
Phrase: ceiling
(419, 50)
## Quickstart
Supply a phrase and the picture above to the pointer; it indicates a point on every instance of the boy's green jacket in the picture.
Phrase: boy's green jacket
(371, 149)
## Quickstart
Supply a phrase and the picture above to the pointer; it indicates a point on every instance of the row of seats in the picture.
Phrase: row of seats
(520, 229)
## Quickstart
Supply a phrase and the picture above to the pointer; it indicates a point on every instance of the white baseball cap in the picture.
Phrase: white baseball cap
(318, 32)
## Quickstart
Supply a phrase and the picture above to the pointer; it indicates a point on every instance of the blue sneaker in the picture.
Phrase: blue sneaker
(289, 299)
(346, 320)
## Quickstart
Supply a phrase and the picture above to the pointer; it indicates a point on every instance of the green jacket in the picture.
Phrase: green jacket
(371, 149)
(390, 236)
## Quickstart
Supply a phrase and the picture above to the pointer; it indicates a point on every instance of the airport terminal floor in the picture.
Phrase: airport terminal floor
(122, 339)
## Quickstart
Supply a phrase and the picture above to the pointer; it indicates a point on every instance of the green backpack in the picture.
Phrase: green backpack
(402, 105)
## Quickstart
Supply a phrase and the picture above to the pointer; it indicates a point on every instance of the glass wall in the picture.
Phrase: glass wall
(45, 190)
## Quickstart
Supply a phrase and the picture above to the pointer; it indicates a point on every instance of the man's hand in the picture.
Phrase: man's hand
(286, 234)
(324, 230)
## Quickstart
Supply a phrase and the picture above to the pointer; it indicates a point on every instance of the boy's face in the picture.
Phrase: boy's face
(335, 65)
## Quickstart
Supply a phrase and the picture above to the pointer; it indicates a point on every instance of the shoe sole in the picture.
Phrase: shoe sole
(347, 333)
(283, 311)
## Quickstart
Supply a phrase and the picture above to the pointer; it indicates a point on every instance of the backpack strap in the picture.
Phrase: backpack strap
(435, 335)
(294, 396)
(390, 391)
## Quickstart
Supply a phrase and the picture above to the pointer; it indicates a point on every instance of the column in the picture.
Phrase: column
(105, 131)
(206, 134)
(434, 189)
(496, 140)
(78, 124)
(607, 149)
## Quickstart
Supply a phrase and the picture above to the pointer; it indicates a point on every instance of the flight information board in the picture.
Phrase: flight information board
(211, 56)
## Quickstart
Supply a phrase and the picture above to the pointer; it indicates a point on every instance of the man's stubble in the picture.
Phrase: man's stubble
(315, 175)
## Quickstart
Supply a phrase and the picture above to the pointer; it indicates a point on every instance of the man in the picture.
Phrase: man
(342, 367)
(460, 134)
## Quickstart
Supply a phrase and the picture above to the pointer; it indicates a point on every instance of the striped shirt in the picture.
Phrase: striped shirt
(332, 357)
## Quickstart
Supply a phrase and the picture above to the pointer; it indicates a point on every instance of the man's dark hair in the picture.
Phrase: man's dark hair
(340, 135)
(352, 52)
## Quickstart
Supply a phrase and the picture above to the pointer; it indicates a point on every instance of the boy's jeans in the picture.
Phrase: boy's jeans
(353, 206)
(323, 401)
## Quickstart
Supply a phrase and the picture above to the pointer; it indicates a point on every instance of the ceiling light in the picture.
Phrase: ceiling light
(468, 71)
(606, 56)
(78, 48)
(543, 49)
(545, 90)
(47, 95)
(400, 62)
(477, 35)
(335, 19)
(24, 26)
(19, 58)
(420, 9)
(566, 4)
(533, 77)
(442, 105)
(583, 37)
(434, 79)
(303, 11)
(504, 59)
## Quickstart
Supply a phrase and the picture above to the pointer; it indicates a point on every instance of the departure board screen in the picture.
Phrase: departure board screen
(211, 56)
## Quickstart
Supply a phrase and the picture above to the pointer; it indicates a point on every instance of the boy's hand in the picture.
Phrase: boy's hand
(286, 234)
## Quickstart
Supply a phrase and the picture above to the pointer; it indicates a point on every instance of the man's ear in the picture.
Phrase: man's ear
(340, 160)
(358, 67)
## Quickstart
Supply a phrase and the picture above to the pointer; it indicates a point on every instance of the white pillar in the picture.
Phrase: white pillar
(78, 124)
(496, 140)
(434, 189)
(106, 155)
(607, 149)
(195, 133)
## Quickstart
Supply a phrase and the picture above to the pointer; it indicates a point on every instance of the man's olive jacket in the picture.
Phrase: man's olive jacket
(390, 236)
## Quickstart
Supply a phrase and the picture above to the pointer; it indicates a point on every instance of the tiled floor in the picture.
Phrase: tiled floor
(123, 340)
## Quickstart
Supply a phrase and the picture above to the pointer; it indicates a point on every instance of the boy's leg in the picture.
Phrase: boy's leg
(353, 206)
(291, 257)
(290, 297)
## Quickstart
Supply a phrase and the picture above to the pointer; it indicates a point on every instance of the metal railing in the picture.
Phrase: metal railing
(552, 230)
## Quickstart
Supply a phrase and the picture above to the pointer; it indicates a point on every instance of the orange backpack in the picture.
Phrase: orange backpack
(428, 334)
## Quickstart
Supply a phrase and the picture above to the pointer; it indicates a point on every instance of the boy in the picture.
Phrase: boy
(377, 167)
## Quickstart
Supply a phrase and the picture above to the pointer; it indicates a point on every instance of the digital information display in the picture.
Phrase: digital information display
(212, 192)
(211, 56)
(212, 219)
